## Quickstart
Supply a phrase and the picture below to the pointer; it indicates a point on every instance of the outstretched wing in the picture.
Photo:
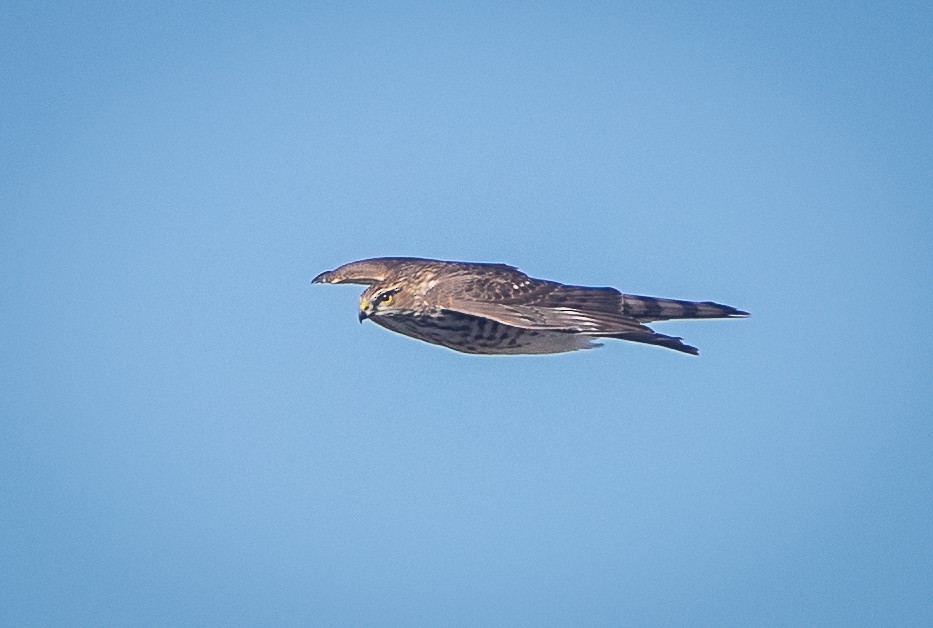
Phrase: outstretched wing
(366, 272)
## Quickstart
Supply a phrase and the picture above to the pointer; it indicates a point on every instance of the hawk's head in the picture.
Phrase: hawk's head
(380, 300)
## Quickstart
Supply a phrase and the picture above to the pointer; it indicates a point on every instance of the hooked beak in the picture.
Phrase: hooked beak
(364, 309)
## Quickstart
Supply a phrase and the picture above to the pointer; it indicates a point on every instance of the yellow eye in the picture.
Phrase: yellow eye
(384, 297)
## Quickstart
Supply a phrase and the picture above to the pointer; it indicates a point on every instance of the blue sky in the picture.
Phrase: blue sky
(192, 434)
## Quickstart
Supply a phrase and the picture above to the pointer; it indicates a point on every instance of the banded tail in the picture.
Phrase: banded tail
(647, 309)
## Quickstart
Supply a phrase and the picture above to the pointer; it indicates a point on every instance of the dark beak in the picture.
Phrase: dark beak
(363, 316)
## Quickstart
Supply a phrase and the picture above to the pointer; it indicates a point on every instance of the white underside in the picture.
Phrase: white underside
(550, 343)
(518, 341)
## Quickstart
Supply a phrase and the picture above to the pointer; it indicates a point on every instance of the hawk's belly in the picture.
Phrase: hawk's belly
(473, 334)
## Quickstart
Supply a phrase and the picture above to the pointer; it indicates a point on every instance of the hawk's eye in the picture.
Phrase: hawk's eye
(386, 298)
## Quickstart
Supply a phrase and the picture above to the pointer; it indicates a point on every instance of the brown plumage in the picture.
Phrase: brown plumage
(497, 309)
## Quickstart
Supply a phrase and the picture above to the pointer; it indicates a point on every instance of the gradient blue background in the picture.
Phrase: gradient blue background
(192, 434)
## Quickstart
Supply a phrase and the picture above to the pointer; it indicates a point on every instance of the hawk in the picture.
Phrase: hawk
(497, 309)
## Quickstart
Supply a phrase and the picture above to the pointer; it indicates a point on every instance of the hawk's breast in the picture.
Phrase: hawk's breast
(475, 334)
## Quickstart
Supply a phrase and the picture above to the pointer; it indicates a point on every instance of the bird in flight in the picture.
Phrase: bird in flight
(497, 309)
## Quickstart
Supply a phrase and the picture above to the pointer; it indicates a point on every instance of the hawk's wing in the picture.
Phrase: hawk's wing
(368, 272)
(513, 298)
(519, 301)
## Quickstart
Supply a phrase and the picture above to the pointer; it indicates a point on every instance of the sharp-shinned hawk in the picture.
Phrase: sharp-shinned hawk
(497, 309)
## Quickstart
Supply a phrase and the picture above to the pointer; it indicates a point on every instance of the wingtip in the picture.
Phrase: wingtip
(323, 277)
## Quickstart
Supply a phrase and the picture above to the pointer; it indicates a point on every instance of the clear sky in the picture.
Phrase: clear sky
(193, 434)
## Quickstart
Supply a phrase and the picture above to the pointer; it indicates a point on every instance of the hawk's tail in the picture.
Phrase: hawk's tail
(647, 309)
